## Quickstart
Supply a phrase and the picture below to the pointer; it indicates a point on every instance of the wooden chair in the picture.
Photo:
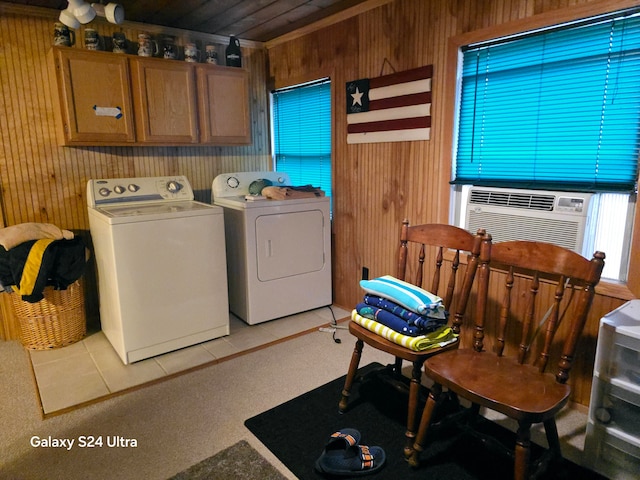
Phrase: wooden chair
(415, 241)
(559, 286)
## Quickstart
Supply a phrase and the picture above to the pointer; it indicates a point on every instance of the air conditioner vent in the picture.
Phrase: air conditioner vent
(519, 214)
(514, 200)
(505, 227)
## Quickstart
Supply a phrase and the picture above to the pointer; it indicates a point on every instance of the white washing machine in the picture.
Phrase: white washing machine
(161, 264)
(278, 251)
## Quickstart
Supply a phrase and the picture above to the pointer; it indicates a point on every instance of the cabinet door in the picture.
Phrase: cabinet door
(224, 105)
(95, 98)
(164, 96)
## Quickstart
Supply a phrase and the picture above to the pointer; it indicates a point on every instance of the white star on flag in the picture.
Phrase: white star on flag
(357, 97)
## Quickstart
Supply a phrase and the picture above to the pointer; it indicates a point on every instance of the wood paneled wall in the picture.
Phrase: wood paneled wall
(376, 186)
(43, 182)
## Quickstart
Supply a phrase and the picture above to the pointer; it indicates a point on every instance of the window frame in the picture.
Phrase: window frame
(308, 77)
(624, 291)
(274, 156)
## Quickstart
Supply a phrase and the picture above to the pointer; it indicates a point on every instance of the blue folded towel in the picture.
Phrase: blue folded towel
(388, 319)
(409, 296)
(429, 322)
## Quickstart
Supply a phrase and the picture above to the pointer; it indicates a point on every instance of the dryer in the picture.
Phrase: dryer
(278, 251)
(161, 265)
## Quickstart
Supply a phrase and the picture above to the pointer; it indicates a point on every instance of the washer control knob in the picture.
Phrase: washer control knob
(119, 189)
(173, 186)
(133, 187)
(104, 191)
(233, 182)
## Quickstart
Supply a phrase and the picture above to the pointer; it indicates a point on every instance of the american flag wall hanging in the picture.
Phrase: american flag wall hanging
(391, 108)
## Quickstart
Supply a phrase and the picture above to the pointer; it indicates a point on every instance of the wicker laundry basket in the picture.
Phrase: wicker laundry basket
(55, 321)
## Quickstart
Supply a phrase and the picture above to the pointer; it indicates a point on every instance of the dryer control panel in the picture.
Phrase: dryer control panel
(139, 189)
(238, 184)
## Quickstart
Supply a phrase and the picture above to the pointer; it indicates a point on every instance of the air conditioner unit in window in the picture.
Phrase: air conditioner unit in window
(517, 214)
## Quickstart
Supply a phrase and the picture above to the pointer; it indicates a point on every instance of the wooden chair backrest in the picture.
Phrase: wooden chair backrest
(443, 237)
(571, 276)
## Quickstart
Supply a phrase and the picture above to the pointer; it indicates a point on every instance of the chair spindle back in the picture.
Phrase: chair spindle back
(442, 237)
(539, 265)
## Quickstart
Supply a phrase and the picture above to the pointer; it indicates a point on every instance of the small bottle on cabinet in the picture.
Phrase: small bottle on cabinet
(233, 53)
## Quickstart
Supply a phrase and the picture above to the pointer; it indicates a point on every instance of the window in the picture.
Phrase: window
(301, 117)
(558, 109)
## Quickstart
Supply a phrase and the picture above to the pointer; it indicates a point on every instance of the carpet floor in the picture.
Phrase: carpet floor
(239, 461)
(297, 431)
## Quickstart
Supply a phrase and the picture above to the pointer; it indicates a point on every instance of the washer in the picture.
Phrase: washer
(278, 251)
(161, 265)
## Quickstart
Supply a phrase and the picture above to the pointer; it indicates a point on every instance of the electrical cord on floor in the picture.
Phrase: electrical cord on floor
(333, 326)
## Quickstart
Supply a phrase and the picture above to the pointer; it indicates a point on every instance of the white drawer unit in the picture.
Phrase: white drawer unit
(612, 444)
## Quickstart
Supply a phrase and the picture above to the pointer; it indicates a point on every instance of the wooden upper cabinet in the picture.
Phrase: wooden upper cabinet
(95, 98)
(165, 101)
(116, 99)
(223, 105)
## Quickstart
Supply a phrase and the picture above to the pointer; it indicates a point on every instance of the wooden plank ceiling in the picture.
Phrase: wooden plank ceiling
(257, 20)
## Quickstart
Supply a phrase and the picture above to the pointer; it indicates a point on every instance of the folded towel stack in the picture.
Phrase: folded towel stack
(403, 313)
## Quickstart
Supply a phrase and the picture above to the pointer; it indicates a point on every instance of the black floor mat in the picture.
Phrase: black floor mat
(296, 432)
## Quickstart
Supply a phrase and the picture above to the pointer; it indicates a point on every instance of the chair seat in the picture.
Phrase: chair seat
(381, 343)
(499, 383)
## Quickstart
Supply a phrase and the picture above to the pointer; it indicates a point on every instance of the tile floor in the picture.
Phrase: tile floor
(91, 369)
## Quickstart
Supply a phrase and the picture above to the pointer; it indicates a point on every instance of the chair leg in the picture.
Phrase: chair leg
(412, 454)
(397, 367)
(414, 397)
(522, 451)
(353, 368)
(473, 414)
(553, 454)
(551, 431)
